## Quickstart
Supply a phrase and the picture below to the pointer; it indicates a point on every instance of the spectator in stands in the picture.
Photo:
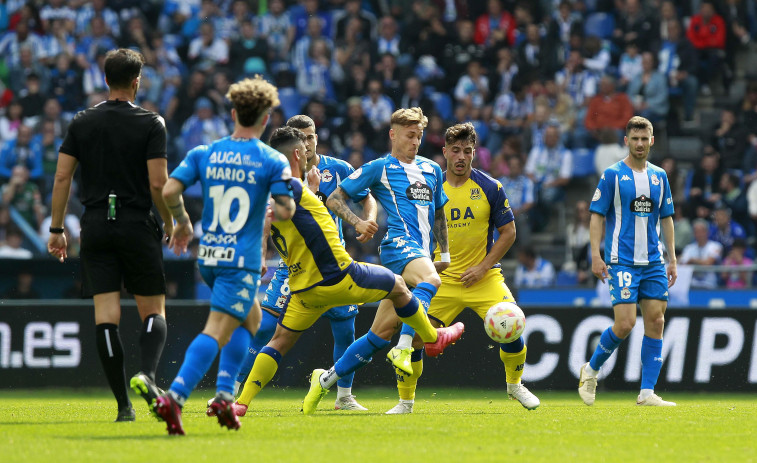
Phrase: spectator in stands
(66, 84)
(316, 76)
(630, 66)
(24, 196)
(520, 192)
(730, 139)
(353, 11)
(736, 257)
(27, 66)
(183, 102)
(386, 70)
(415, 96)
(13, 248)
(561, 106)
(534, 57)
(378, 107)
(311, 9)
(707, 32)
(353, 48)
(550, 167)
(13, 41)
(737, 18)
(580, 85)
(496, 27)
(668, 13)
(248, 52)
(11, 120)
(459, 51)
(649, 92)
(137, 35)
(678, 62)
(509, 116)
(433, 137)
(703, 251)
(53, 112)
(734, 197)
(596, 55)
(92, 44)
(97, 8)
(633, 24)
(23, 289)
(564, 23)
(48, 143)
(724, 229)
(277, 28)
(609, 151)
(202, 128)
(675, 179)
(32, 99)
(704, 190)
(389, 39)
(608, 109)
(684, 233)
(93, 80)
(21, 151)
(301, 49)
(472, 90)
(533, 271)
(208, 50)
(578, 250)
(533, 132)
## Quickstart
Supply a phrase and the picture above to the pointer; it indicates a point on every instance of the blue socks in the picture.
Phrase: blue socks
(607, 345)
(359, 354)
(197, 361)
(651, 362)
(424, 292)
(513, 347)
(344, 336)
(232, 356)
(261, 338)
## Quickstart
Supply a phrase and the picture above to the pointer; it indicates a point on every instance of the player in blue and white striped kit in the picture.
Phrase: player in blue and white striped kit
(409, 188)
(325, 174)
(632, 203)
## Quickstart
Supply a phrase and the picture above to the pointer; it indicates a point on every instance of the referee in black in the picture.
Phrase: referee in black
(121, 148)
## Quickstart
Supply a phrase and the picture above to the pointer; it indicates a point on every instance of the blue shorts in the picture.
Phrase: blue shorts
(397, 252)
(277, 297)
(629, 285)
(233, 290)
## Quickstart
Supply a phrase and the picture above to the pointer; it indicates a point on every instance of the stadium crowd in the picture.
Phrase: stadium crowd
(548, 84)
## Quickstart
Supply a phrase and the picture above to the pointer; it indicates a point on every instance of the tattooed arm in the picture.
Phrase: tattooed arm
(337, 202)
(442, 240)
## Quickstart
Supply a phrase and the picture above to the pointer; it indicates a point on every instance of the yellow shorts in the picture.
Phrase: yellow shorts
(361, 284)
(453, 297)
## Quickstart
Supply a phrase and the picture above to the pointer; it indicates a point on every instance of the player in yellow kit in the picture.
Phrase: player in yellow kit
(477, 206)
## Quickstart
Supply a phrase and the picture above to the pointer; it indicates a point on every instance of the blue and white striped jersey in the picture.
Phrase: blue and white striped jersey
(333, 171)
(633, 204)
(409, 193)
(237, 177)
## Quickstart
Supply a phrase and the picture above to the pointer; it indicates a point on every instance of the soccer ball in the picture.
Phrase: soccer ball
(504, 322)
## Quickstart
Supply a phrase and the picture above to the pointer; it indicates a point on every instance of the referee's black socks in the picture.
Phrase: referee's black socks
(111, 354)
(151, 342)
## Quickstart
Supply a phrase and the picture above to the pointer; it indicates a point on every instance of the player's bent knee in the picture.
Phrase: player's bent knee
(622, 328)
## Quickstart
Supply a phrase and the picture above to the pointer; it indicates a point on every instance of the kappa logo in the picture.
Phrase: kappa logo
(249, 279)
(326, 175)
(244, 294)
(665, 294)
(475, 193)
(392, 166)
(625, 177)
(238, 307)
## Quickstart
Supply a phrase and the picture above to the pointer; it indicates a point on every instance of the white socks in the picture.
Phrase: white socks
(329, 378)
(405, 341)
(645, 393)
(591, 371)
(343, 392)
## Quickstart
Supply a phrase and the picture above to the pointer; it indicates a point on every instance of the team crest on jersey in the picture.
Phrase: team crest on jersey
(475, 193)
(597, 195)
(625, 293)
(641, 206)
(655, 180)
(418, 192)
(326, 175)
(356, 174)
(669, 200)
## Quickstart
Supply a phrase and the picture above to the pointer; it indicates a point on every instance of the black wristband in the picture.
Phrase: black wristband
(56, 230)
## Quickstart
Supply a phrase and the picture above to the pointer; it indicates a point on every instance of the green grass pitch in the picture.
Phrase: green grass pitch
(447, 426)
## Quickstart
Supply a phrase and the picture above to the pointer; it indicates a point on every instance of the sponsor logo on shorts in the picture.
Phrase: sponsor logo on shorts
(215, 253)
(419, 192)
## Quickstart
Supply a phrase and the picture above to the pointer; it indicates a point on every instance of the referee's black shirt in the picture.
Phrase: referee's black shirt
(112, 142)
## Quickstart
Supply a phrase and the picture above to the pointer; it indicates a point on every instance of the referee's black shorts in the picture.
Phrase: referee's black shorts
(127, 250)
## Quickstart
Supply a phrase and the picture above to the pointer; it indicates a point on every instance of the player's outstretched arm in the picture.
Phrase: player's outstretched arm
(670, 244)
(337, 202)
(370, 209)
(283, 207)
(596, 227)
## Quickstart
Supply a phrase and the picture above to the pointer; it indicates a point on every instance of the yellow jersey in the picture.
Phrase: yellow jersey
(309, 242)
(475, 210)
